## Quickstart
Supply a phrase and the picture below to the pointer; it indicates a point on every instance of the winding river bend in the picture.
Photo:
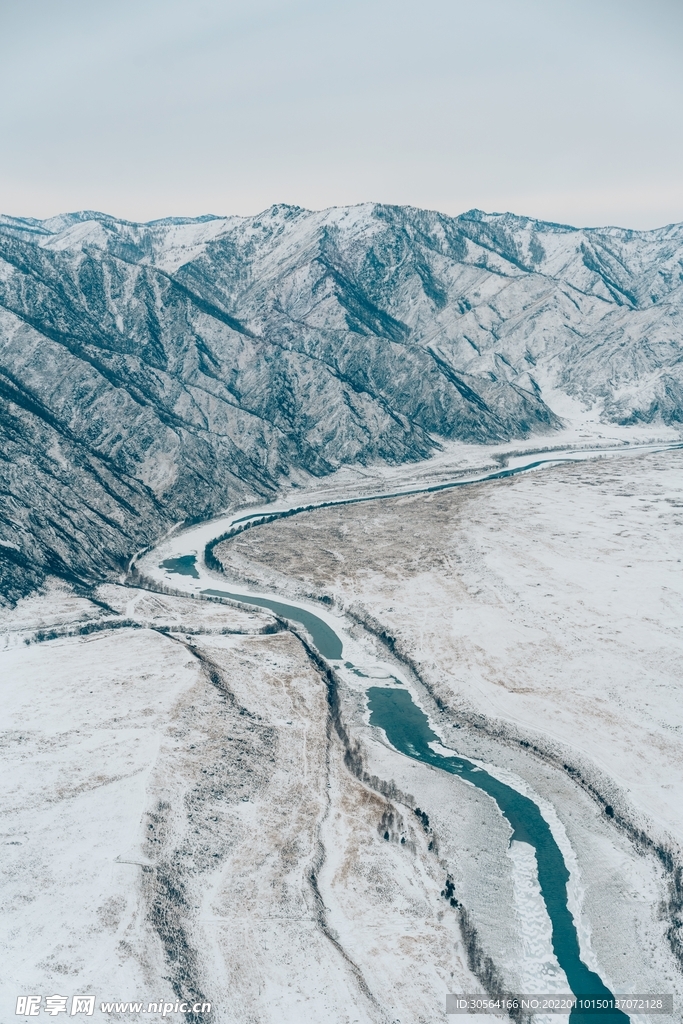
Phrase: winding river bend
(407, 729)
(406, 726)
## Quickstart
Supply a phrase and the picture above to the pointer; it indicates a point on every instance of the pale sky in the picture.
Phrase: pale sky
(569, 111)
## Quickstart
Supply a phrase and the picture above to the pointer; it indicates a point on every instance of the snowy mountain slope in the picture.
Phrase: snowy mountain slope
(152, 372)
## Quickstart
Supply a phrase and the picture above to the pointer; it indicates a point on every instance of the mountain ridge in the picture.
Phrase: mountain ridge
(152, 372)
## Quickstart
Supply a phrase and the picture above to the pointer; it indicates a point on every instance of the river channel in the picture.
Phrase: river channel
(407, 728)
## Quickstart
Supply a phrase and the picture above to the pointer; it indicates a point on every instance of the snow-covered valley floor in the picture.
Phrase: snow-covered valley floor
(180, 815)
(179, 824)
(546, 607)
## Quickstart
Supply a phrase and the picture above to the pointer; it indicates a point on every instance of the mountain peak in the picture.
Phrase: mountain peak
(155, 371)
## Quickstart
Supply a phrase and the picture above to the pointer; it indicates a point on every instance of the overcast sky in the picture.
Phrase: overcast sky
(570, 111)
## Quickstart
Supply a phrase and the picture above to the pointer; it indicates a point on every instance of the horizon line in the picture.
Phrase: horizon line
(88, 214)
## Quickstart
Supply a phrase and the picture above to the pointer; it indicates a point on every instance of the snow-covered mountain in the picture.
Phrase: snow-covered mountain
(150, 372)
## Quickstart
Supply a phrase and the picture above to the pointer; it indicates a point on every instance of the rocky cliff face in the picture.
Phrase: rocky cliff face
(154, 372)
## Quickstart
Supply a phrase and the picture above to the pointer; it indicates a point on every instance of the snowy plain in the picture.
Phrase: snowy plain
(189, 750)
(549, 603)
